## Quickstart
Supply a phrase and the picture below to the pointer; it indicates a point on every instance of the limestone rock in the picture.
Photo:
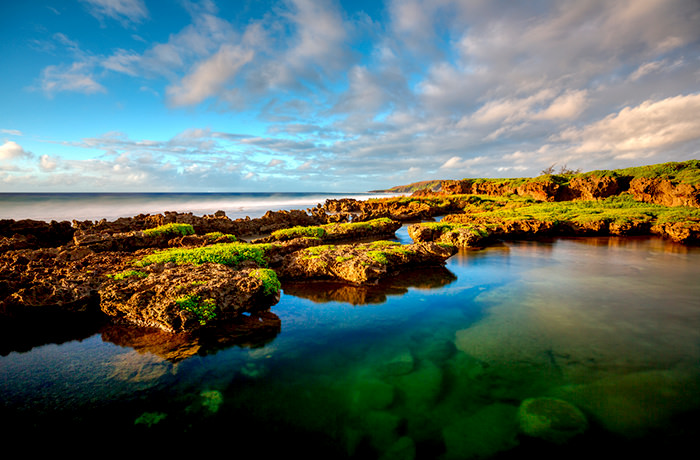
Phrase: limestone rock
(181, 298)
(362, 262)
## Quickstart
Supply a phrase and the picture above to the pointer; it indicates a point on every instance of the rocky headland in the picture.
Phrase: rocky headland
(177, 273)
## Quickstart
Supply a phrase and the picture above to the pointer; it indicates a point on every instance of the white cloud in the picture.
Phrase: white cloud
(12, 132)
(124, 11)
(77, 77)
(275, 162)
(46, 163)
(11, 150)
(566, 106)
(210, 76)
(648, 127)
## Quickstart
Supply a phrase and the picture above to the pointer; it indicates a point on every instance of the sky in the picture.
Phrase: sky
(339, 96)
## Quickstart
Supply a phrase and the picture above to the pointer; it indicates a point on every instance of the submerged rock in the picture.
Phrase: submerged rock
(551, 419)
(483, 434)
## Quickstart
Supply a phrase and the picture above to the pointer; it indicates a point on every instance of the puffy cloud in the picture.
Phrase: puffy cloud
(47, 163)
(635, 131)
(11, 150)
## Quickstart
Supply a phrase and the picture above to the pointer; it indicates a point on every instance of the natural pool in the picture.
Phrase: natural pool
(432, 364)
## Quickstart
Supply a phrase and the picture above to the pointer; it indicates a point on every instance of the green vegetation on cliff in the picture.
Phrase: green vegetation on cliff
(616, 209)
(685, 172)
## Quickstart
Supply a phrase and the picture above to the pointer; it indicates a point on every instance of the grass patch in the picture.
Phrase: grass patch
(299, 232)
(315, 251)
(221, 253)
(170, 229)
(128, 274)
(271, 284)
(686, 172)
(203, 310)
(616, 209)
(213, 236)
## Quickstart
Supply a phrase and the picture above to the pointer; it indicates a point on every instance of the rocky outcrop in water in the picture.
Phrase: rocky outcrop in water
(182, 298)
(362, 263)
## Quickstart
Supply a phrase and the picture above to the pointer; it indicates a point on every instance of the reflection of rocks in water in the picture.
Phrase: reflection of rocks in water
(171, 347)
(325, 291)
(634, 243)
(134, 367)
(252, 331)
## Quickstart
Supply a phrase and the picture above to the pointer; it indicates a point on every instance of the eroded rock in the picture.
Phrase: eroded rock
(363, 262)
(181, 298)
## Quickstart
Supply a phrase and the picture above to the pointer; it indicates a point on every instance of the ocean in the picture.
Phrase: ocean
(430, 364)
(110, 206)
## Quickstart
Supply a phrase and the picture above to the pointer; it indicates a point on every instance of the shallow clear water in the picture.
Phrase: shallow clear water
(433, 364)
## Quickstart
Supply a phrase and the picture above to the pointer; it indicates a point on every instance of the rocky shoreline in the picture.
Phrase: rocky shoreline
(178, 273)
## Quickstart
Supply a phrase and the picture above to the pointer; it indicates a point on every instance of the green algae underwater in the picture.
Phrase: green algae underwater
(569, 346)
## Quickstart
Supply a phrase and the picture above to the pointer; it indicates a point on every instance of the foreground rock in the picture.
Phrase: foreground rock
(362, 263)
(181, 298)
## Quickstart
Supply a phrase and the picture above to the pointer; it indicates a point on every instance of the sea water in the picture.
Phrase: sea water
(429, 364)
(110, 206)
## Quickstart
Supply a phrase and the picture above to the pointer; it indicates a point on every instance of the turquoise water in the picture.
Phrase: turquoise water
(431, 364)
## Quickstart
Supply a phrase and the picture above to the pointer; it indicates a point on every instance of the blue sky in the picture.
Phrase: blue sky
(300, 95)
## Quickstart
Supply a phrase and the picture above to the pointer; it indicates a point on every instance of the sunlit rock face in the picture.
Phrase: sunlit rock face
(665, 192)
(179, 298)
(363, 262)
